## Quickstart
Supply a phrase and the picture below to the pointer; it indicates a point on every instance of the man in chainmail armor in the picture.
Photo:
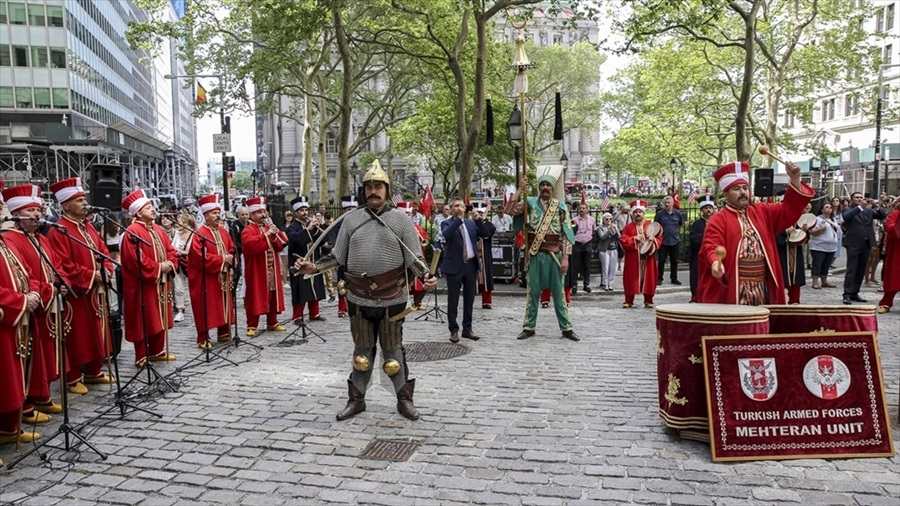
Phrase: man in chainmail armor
(380, 249)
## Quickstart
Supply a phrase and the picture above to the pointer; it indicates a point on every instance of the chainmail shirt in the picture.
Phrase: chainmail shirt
(364, 246)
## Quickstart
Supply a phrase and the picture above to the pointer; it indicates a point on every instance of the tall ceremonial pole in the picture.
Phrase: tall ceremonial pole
(520, 64)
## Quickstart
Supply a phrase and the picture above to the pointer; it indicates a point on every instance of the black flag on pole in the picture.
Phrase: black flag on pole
(557, 124)
(489, 114)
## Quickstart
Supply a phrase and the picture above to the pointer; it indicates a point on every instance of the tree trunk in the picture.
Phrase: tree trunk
(346, 107)
(306, 179)
(742, 146)
(323, 156)
(773, 100)
(470, 137)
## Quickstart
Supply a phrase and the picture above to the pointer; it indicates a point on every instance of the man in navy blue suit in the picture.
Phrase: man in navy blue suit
(859, 238)
(460, 265)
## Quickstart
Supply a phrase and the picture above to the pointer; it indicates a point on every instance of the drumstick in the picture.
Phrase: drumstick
(720, 253)
(764, 150)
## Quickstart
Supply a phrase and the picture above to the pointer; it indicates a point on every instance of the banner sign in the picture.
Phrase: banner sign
(791, 396)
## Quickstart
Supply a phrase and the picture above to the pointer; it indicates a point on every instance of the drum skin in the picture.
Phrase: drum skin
(679, 357)
(802, 319)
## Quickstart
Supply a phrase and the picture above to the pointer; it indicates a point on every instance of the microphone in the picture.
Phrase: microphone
(19, 218)
(98, 209)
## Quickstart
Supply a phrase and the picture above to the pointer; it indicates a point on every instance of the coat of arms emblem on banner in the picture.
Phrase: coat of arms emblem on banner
(826, 377)
(759, 380)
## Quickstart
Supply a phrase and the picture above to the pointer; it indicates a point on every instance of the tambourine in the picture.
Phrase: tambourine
(652, 231)
(797, 237)
(808, 219)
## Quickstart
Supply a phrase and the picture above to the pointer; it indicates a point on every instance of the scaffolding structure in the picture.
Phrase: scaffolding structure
(165, 175)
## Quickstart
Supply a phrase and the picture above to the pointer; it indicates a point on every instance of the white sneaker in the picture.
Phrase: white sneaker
(179, 316)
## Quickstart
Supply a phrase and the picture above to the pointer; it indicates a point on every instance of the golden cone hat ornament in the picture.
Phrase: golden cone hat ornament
(376, 173)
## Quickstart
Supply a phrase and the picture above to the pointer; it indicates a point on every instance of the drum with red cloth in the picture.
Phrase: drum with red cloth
(802, 319)
(679, 357)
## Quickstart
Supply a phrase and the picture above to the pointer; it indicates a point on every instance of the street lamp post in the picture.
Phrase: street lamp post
(674, 164)
(876, 183)
(564, 161)
(223, 124)
(606, 175)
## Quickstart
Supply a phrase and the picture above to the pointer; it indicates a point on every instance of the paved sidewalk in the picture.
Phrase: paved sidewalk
(542, 421)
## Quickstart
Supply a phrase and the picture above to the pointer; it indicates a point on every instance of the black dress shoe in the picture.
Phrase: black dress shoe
(526, 334)
(318, 318)
(575, 290)
(587, 289)
(570, 335)
(847, 300)
(454, 337)
(676, 282)
(468, 334)
(658, 282)
(857, 298)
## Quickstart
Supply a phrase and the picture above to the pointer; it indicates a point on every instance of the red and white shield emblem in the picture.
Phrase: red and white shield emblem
(826, 377)
(759, 380)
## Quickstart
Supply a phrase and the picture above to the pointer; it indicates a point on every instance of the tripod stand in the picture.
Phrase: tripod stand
(153, 376)
(235, 276)
(207, 349)
(435, 313)
(304, 331)
(101, 258)
(66, 429)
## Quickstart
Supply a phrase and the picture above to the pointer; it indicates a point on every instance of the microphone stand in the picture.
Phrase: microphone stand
(207, 351)
(66, 429)
(236, 336)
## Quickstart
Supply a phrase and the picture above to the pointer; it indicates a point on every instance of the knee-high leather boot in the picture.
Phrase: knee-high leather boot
(405, 401)
(355, 405)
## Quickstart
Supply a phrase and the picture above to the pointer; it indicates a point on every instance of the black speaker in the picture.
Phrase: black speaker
(106, 186)
(764, 183)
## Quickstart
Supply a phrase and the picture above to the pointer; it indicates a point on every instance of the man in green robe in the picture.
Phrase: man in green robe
(549, 239)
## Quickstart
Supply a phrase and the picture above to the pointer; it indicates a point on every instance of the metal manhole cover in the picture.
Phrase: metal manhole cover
(394, 451)
(430, 351)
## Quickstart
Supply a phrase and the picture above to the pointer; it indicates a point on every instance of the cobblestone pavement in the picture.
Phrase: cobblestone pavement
(542, 421)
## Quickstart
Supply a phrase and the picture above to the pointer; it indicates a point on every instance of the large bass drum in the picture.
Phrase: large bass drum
(802, 319)
(679, 357)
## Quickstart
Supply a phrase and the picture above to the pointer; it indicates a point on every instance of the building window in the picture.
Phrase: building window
(879, 21)
(888, 54)
(39, 57)
(20, 56)
(57, 58)
(330, 143)
(3, 18)
(5, 60)
(54, 15)
(61, 98)
(557, 39)
(36, 15)
(23, 98)
(828, 109)
(851, 105)
(17, 14)
(788, 119)
(42, 98)
(889, 15)
(6, 96)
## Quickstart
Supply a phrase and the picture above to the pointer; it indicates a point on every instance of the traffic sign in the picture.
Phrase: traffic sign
(221, 143)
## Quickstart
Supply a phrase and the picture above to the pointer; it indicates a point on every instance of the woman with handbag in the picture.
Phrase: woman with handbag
(608, 251)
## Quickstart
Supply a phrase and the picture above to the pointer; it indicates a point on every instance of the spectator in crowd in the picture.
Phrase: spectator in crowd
(608, 251)
(671, 221)
(823, 245)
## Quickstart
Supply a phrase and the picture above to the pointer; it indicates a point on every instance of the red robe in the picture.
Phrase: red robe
(417, 286)
(634, 280)
(146, 278)
(262, 269)
(724, 229)
(210, 310)
(43, 362)
(13, 286)
(891, 269)
(86, 340)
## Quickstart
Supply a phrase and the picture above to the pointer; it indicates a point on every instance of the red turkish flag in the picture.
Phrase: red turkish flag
(426, 203)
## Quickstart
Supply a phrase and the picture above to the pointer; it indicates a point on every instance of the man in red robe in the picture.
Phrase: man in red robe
(17, 302)
(24, 202)
(86, 342)
(147, 282)
(891, 269)
(210, 275)
(750, 273)
(639, 275)
(261, 242)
